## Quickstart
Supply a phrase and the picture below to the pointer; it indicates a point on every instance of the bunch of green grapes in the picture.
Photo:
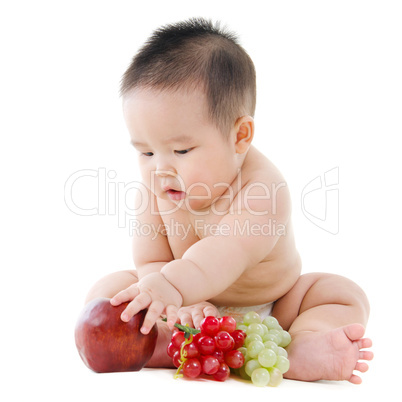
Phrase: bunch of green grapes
(265, 356)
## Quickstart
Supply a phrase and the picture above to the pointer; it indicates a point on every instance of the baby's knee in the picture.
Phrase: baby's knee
(344, 291)
(111, 284)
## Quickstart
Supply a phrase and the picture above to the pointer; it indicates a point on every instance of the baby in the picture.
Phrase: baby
(222, 241)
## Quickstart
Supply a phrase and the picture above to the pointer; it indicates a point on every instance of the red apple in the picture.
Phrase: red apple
(107, 344)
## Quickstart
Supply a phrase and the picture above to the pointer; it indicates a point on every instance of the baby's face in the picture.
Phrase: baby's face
(182, 156)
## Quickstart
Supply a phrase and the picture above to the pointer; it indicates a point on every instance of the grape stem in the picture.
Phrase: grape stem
(186, 329)
(188, 335)
(183, 356)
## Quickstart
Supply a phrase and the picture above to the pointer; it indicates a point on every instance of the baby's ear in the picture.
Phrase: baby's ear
(244, 129)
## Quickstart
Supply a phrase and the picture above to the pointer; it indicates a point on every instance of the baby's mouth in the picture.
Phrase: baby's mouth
(175, 195)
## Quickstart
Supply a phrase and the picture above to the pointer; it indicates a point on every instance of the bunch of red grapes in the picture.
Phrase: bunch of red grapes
(212, 350)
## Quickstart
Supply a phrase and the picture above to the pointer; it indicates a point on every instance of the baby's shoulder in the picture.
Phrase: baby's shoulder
(257, 168)
(263, 185)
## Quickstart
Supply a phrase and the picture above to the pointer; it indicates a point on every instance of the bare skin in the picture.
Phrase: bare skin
(185, 274)
(234, 212)
(325, 315)
(331, 355)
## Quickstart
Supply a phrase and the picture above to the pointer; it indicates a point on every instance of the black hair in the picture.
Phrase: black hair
(197, 54)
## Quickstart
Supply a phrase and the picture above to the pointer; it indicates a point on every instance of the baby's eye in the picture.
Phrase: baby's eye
(184, 151)
(147, 153)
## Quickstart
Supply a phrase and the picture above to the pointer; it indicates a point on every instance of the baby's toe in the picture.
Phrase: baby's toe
(355, 379)
(364, 343)
(362, 367)
(366, 355)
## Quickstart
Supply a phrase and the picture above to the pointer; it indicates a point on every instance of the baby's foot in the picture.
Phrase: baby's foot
(329, 355)
(160, 357)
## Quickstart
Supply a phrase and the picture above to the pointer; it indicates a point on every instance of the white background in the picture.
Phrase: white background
(329, 96)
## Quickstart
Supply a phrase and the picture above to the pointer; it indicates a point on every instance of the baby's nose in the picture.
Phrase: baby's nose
(164, 172)
(164, 166)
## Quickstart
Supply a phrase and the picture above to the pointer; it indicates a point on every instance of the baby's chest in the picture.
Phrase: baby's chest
(180, 236)
(183, 232)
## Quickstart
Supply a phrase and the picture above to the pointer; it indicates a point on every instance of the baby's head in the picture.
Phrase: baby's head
(197, 54)
(188, 102)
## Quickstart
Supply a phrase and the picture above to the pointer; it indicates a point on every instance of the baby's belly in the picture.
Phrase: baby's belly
(265, 283)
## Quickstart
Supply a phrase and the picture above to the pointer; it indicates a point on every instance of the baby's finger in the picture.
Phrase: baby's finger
(154, 312)
(127, 294)
(198, 316)
(171, 314)
(142, 301)
(211, 311)
(185, 319)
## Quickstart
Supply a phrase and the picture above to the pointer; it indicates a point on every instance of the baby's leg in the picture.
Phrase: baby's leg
(114, 283)
(111, 284)
(326, 315)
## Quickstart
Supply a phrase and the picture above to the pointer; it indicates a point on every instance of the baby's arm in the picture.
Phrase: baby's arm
(214, 263)
(151, 249)
(151, 252)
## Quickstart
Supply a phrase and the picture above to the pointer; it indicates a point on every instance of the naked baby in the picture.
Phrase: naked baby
(222, 241)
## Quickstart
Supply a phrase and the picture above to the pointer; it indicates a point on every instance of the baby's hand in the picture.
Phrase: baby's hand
(154, 292)
(193, 315)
